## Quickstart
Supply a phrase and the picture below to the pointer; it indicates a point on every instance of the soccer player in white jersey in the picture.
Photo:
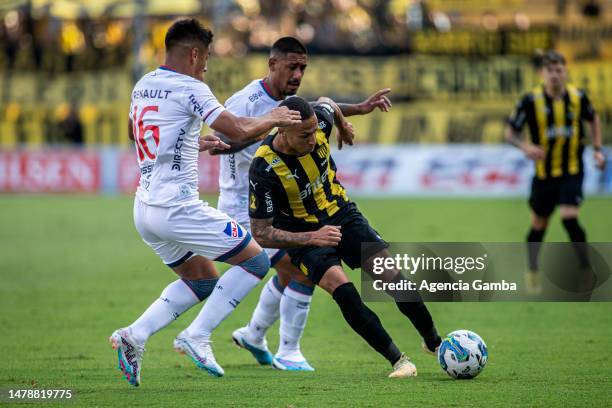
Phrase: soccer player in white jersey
(288, 293)
(166, 114)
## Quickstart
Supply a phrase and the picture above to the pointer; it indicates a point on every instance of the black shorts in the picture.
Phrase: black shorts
(315, 261)
(547, 194)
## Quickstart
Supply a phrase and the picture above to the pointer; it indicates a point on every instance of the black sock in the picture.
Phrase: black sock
(578, 236)
(534, 242)
(365, 322)
(421, 319)
(419, 315)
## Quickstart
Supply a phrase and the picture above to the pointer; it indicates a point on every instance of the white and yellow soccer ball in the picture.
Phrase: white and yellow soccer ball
(463, 354)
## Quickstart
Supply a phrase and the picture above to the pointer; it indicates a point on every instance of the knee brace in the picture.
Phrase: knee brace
(257, 265)
(574, 230)
(201, 287)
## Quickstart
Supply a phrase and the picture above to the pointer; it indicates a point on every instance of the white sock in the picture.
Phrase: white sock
(174, 300)
(231, 289)
(267, 310)
(294, 308)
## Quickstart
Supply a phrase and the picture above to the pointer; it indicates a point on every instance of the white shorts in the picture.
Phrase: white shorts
(241, 215)
(177, 233)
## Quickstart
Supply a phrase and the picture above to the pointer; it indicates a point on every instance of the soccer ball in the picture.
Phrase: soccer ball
(463, 354)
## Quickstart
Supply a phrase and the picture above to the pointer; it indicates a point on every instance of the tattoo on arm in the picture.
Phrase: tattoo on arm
(269, 237)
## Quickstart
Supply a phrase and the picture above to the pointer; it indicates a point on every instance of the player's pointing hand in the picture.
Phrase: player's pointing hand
(209, 142)
(326, 236)
(284, 117)
(377, 100)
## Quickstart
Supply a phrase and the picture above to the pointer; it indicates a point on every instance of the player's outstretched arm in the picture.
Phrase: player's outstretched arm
(244, 129)
(379, 100)
(234, 147)
(269, 237)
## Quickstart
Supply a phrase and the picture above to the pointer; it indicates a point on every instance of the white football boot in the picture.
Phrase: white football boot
(403, 368)
(129, 354)
(199, 349)
(295, 361)
(259, 350)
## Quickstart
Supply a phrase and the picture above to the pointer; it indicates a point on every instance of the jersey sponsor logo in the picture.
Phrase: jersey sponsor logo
(176, 160)
(269, 204)
(232, 229)
(150, 94)
(147, 169)
(560, 131)
(322, 125)
(255, 96)
(273, 163)
(292, 175)
(314, 186)
(253, 184)
(232, 165)
(326, 107)
(197, 108)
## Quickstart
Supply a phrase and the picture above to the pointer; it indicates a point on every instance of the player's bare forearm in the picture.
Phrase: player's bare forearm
(598, 154)
(379, 100)
(246, 129)
(269, 237)
(234, 145)
(351, 109)
(596, 132)
(254, 127)
(513, 137)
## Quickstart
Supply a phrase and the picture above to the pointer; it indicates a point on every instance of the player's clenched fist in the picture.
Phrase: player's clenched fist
(326, 236)
(284, 117)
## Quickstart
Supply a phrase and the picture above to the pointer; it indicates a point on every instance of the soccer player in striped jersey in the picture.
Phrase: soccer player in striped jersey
(297, 203)
(287, 294)
(555, 112)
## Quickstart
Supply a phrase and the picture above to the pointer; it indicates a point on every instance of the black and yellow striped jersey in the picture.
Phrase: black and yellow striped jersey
(556, 126)
(300, 192)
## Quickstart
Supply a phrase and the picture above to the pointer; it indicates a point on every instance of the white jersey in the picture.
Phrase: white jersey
(253, 100)
(167, 111)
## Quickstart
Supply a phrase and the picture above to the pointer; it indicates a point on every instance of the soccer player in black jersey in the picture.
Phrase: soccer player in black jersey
(297, 203)
(554, 112)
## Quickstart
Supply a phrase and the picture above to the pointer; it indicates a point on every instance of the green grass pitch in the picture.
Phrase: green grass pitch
(73, 269)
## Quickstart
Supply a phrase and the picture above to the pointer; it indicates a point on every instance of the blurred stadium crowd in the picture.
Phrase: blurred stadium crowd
(68, 65)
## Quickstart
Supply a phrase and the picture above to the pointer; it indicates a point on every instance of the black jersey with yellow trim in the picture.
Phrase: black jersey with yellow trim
(301, 193)
(556, 126)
